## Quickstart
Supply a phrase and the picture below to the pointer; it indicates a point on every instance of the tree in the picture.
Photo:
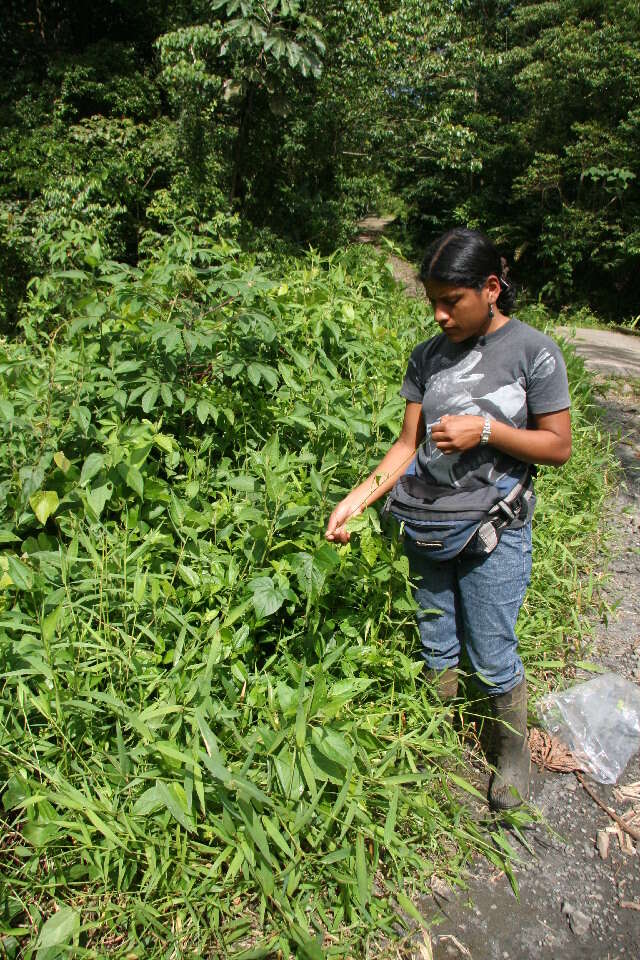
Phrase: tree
(217, 71)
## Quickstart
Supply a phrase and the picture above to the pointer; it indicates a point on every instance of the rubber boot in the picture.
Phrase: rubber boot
(509, 785)
(445, 682)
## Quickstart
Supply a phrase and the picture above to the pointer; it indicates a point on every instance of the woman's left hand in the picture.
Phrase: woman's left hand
(454, 433)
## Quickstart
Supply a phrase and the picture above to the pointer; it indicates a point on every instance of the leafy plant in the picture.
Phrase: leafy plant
(214, 734)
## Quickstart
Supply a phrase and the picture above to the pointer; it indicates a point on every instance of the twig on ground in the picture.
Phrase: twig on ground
(632, 831)
(454, 940)
(630, 905)
(631, 791)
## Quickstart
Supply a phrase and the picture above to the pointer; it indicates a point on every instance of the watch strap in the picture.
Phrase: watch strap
(486, 429)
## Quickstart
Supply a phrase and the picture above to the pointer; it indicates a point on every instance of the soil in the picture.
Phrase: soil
(370, 231)
(572, 903)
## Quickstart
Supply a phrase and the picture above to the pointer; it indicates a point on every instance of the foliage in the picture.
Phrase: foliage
(300, 117)
(555, 122)
(213, 732)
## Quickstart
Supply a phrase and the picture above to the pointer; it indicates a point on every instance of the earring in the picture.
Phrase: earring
(490, 311)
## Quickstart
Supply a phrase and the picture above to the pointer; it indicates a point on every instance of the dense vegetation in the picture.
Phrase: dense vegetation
(214, 733)
(213, 730)
(300, 116)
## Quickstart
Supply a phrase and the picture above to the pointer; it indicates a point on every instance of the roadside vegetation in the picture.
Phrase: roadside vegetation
(215, 738)
(214, 734)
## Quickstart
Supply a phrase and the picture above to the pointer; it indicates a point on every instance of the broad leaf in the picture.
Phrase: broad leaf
(44, 504)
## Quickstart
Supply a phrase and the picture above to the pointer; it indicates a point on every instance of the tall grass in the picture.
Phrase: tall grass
(214, 734)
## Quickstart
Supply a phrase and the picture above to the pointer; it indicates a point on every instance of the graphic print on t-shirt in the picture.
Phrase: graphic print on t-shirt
(509, 375)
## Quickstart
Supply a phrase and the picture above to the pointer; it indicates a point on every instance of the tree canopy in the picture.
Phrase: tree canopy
(293, 118)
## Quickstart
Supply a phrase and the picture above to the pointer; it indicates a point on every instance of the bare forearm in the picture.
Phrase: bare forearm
(549, 442)
(382, 479)
(530, 446)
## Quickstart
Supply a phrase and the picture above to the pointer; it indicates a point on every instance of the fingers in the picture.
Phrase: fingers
(335, 528)
(340, 535)
(456, 433)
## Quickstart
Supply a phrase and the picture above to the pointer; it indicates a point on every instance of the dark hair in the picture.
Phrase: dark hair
(466, 258)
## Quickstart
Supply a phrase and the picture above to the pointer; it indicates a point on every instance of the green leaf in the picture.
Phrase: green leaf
(189, 575)
(267, 597)
(203, 410)
(44, 503)
(148, 802)
(49, 624)
(361, 871)
(172, 795)
(260, 371)
(59, 930)
(390, 822)
(6, 409)
(97, 498)
(61, 461)
(82, 416)
(92, 465)
(301, 726)
(333, 745)
(465, 785)
(132, 477)
(589, 666)
(21, 575)
(411, 909)
(149, 398)
(310, 577)
(123, 756)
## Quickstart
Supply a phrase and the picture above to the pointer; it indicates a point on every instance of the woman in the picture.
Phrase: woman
(487, 396)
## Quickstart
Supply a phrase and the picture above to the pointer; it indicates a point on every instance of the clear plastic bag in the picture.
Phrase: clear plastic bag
(599, 721)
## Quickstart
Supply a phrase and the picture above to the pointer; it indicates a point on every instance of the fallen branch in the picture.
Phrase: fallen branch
(630, 905)
(632, 831)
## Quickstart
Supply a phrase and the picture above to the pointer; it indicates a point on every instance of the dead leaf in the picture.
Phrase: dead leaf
(602, 843)
(425, 949)
(439, 887)
(550, 753)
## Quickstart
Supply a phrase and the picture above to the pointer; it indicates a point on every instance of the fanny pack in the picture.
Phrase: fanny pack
(446, 523)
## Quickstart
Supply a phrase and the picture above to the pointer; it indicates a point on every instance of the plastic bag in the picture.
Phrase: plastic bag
(599, 721)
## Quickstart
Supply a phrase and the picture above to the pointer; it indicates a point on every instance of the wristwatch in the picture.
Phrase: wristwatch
(486, 429)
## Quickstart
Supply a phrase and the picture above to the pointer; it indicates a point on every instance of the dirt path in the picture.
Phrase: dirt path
(573, 903)
(370, 231)
(607, 351)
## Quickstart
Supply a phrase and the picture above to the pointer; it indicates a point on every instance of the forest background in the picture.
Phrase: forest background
(294, 119)
(215, 734)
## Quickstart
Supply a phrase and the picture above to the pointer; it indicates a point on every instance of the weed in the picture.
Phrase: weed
(214, 736)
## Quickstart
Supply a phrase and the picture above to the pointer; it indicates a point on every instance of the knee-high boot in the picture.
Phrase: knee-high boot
(509, 785)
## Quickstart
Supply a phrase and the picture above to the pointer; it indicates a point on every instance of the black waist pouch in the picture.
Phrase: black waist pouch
(447, 523)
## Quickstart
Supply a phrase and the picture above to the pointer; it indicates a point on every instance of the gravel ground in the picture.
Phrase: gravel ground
(573, 903)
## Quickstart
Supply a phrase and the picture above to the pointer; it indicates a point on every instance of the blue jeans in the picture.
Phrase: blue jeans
(474, 601)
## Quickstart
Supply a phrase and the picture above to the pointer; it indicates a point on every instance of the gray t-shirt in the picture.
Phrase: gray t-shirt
(510, 375)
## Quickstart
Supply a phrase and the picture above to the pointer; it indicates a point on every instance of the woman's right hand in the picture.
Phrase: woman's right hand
(349, 507)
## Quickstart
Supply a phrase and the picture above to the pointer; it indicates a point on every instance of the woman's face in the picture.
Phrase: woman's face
(463, 312)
